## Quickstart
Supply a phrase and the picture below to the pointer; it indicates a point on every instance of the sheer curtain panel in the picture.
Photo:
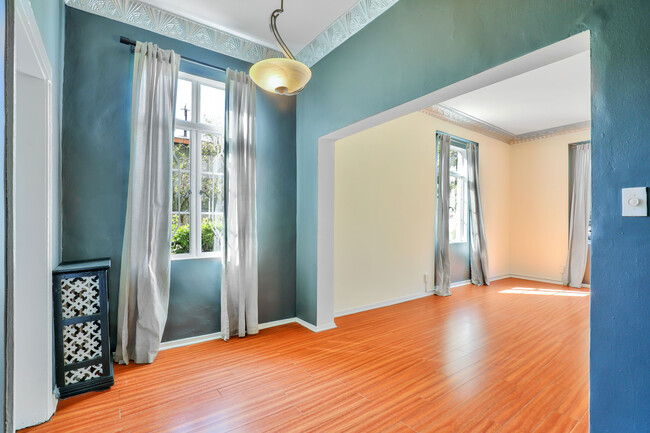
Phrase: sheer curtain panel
(239, 275)
(580, 212)
(442, 259)
(146, 253)
(478, 264)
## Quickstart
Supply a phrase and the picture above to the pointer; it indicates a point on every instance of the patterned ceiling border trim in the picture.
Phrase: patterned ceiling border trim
(466, 121)
(148, 17)
(168, 24)
(356, 18)
(552, 132)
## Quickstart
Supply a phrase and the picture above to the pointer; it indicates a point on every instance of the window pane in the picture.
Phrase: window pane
(212, 153)
(211, 232)
(181, 193)
(180, 233)
(211, 193)
(454, 157)
(212, 179)
(184, 100)
(213, 105)
(454, 213)
(181, 150)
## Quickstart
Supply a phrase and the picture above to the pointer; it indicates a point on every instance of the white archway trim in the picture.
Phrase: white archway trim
(30, 321)
(325, 250)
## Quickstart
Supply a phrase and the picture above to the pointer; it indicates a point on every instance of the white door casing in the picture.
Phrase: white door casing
(34, 399)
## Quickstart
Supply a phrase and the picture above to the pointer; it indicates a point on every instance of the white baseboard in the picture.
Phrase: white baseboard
(382, 304)
(541, 280)
(277, 323)
(189, 341)
(313, 328)
(217, 335)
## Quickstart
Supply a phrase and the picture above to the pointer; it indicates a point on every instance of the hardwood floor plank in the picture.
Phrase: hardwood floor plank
(481, 361)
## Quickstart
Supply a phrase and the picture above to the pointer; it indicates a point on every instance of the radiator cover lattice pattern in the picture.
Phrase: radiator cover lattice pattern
(82, 374)
(80, 296)
(82, 342)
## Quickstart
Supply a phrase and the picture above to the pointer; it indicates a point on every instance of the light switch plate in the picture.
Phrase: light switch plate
(635, 202)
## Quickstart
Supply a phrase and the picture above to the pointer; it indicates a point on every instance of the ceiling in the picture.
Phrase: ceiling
(301, 22)
(552, 96)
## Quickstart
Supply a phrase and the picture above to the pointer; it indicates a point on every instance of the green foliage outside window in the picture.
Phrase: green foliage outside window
(181, 236)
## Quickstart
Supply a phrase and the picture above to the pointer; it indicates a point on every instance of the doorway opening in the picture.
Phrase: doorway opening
(496, 161)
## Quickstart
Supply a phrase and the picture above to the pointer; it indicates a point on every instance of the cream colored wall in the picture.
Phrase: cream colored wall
(384, 208)
(539, 193)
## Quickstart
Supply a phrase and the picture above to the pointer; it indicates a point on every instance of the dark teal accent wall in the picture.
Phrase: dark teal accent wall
(95, 167)
(419, 46)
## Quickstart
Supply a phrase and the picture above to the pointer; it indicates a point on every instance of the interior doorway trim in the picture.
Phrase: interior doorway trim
(325, 231)
(33, 398)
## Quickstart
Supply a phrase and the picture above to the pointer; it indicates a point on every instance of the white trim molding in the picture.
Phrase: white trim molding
(151, 18)
(464, 120)
(356, 18)
(382, 304)
(165, 23)
(30, 360)
(166, 345)
(189, 341)
(539, 280)
(319, 328)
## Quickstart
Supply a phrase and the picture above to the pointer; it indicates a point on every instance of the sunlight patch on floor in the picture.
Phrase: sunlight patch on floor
(545, 292)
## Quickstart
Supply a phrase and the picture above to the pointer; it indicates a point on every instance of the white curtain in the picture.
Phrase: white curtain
(478, 244)
(580, 212)
(239, 274)
(442, 260)
(146, 253)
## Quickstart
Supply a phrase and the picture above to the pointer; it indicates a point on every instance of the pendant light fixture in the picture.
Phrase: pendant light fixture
(285, 76)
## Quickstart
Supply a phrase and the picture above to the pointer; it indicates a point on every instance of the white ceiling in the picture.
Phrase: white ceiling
(554, 95)
(300, 23)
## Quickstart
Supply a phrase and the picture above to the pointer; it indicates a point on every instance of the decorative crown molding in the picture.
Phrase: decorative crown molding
(356, 18)
(466, 121)
(459, 118)
(552, 132)
(150, 18)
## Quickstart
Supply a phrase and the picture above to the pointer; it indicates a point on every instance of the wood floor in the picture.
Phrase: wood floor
(478, 361)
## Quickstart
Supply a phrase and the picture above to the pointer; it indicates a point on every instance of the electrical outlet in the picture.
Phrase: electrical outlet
(427, 287)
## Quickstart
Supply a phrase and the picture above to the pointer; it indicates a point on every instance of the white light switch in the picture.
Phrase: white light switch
(635, 201)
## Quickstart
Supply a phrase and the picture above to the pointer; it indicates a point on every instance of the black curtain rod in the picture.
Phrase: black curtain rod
(131, 42)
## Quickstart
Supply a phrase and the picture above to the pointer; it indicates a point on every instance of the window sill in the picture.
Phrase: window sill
(181, 257)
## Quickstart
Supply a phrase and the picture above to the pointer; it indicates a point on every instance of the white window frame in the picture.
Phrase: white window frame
(462, 178)
(195, 130)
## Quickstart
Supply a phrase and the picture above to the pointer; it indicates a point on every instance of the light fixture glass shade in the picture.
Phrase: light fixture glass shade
(282, 76)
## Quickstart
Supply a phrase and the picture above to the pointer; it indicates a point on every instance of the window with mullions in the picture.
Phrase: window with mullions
(458, 206)
(198, 168)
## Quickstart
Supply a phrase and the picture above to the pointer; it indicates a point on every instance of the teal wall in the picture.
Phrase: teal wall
(419, 46)
(96, 134)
